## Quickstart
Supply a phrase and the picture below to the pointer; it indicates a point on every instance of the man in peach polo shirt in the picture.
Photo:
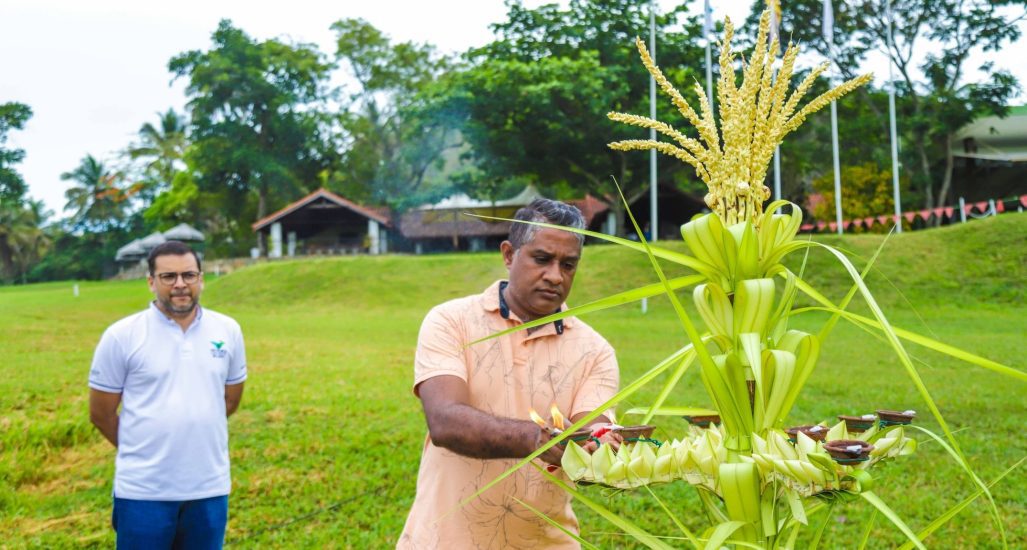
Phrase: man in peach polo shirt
(476, 398)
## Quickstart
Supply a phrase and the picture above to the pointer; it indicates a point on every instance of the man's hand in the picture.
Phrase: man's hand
(103, 413)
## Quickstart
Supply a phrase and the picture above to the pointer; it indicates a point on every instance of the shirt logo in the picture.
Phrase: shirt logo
(217, 351)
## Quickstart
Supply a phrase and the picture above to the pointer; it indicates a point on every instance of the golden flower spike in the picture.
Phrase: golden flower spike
(755, 117)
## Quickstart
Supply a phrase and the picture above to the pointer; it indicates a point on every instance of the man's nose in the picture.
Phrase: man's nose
(553, 275)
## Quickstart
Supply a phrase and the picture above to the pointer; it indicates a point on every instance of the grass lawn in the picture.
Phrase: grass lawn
(326, 443)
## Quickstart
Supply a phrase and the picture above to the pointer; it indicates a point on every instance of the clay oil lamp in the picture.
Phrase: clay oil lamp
(895, 418)
(857, 424)
(815, 432)
(703, 421)
(848, 451)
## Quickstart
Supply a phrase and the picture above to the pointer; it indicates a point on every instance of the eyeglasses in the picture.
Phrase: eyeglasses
(188, 277)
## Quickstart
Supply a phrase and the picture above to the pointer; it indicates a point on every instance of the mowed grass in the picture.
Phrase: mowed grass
(325, 447)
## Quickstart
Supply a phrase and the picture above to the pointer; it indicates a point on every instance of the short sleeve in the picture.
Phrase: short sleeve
(600, 384)
(237, 366)
(109, 368)
(440, 349)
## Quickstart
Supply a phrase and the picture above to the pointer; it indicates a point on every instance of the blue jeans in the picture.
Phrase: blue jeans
(160, 525)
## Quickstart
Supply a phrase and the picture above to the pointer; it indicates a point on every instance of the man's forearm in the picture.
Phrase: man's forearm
(108, 426)
(470, 432)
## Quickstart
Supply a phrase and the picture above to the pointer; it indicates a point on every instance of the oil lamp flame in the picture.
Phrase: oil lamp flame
(538, 419)
(557, 417)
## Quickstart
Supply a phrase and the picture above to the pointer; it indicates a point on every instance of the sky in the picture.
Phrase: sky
(95, 71)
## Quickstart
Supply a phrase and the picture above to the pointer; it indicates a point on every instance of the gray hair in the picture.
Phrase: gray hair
(545, 211)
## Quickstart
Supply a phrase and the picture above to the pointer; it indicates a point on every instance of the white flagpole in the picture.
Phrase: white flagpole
(894, 137)
(653, 219)
(837, 170)
(828, 28)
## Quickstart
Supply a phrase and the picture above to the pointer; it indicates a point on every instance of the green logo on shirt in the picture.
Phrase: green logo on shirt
(216, 352)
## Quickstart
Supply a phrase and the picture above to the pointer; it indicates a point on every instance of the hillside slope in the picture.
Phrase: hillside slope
(983, 261)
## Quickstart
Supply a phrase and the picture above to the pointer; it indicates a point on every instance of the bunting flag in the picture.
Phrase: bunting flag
(983, 207)
(828, 23)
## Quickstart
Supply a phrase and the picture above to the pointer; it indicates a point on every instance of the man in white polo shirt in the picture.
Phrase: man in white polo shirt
(177, 370)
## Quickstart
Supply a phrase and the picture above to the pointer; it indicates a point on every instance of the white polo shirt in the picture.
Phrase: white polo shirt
(172, 431)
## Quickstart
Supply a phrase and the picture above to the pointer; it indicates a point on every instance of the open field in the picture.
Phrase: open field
(326, 443)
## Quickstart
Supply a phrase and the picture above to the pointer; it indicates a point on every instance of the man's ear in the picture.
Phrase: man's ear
(507, 249)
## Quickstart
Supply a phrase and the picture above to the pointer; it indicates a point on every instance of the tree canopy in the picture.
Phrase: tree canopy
(13, 116)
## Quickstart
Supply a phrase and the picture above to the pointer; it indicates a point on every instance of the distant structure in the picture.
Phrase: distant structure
(324, 223)
(137, 250)
(990, 157)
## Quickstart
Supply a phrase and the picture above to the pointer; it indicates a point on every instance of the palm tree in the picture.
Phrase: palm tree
(99, 203)
(163, 147)
(22, 240)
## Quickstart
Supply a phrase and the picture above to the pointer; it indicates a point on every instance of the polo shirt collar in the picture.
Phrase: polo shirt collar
(492, 300)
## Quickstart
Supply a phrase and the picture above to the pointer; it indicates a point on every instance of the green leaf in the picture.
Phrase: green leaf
(681, 526)
(557, 524)
(615, 300)
(955, 510)
(721, 533)
(632, 529)
(672, 411)
(662, 253)
(872, 498)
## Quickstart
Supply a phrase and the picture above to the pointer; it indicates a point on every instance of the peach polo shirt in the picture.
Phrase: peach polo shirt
(576, 369)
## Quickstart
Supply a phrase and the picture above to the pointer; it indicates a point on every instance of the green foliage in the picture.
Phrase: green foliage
(932, 107)
(13, 116)
(533, 103)
(326, 444)
(866, 191)
(394, 135)
(22, 241)
(162, 149)
(257, 126)
(97, 200)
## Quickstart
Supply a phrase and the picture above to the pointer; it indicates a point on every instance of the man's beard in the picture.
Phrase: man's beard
(170, 307)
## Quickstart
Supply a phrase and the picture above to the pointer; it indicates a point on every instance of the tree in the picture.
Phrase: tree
(394, 135)
(535, 100)
(162, 147)
(258, 127)
(937, 104)
(867, 192)
(98, 203)
(13, 116)
(22, 241)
